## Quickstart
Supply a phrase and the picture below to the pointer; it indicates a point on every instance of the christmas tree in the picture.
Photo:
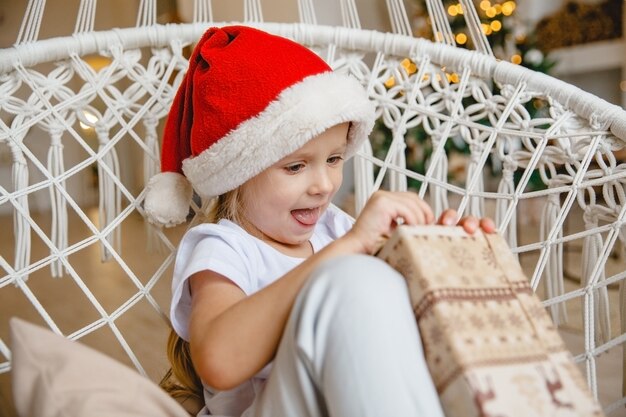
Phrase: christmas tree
(509, 39)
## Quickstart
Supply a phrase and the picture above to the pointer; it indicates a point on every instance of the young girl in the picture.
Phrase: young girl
(277, 308)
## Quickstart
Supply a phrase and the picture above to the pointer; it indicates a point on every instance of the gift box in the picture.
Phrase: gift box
(491, 347)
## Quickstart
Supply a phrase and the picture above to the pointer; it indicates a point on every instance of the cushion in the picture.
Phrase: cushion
(53, 376)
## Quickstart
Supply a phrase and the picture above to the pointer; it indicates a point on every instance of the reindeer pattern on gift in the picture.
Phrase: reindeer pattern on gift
(554, 385)
(482, 396)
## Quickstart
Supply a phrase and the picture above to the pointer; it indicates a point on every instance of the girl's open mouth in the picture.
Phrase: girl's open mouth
(308, 216)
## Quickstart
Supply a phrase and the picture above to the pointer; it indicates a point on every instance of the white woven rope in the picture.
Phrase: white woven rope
(569, 199)
(589, 328)
(151, 166)
(202, 11)
(59, 207)
(394, 119)
(592, 251)
(252, 11)
(134, 94)
(363, 168)
(507, 187)
(306, 12)
(21, 227)
(615, 406)
(442, 31)
(106, 319)
(147, 13)
(4, 350)
(349, 14)
(114, 174)
(476, 205)
(580, 102)
(554, 283)
(442, 133)
(86, 16)
(479, 38)
(438, 195)
(110, 198)
(399, 20)
(29, 30)
(481, 153)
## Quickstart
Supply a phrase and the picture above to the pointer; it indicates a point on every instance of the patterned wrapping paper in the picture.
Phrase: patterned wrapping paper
(491, 347)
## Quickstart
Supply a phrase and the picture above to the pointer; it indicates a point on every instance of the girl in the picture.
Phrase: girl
(277, 309)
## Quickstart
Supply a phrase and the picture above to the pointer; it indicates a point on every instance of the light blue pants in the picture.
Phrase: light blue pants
(351, 348)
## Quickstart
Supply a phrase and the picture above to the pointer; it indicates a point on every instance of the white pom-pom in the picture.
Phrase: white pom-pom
(168, 196)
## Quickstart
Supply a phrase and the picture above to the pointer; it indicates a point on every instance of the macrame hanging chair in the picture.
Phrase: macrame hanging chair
(68, 129)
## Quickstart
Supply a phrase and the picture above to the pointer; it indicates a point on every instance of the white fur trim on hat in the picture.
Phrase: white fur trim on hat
(168, 196)
(300, 113)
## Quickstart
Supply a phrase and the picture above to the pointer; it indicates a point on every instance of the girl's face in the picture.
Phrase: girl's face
(283, 204)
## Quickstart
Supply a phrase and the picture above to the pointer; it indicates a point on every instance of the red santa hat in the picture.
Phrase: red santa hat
(248, 99)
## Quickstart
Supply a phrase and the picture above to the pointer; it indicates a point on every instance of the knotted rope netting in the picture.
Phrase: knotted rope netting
(70, 129)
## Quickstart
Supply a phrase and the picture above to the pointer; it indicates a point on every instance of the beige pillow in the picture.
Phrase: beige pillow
(53, 376)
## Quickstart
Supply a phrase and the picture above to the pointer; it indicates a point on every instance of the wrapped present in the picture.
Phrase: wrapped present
(491, 347)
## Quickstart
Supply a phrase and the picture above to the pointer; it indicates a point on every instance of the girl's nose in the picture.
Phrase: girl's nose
(321, 182)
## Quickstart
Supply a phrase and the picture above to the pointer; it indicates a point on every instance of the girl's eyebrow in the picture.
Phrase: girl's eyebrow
(300, 154)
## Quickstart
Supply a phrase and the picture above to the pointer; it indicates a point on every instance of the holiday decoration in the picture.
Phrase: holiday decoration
(578, 23)
(510, 39)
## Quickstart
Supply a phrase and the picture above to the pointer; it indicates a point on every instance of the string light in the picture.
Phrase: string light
(491, 12)
(453, 78)
(97, 62)
(508, 8)
(452, 10)
(459, 8)
(409, 66)
(461, 38)
(91, 118)
(485, 5)
(516, 59)
(496, 25)
(486, 29)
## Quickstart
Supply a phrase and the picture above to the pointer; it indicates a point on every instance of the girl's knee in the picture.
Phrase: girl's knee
(354, 276)
(356, 293)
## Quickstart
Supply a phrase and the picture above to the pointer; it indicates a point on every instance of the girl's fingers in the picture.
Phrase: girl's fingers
(402, 207)
(421, 208)
(448, 218)
(469, 223)
(408, 213)
(487, 225)
(412, 209)
(429, 216)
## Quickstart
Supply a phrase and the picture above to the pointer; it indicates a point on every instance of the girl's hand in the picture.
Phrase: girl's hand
(382, 214)
(469, 223)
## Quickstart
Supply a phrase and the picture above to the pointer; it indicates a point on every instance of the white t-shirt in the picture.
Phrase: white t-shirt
(251, 264)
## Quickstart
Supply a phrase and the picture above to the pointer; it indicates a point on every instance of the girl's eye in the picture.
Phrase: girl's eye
(334, 159)
(294, 169)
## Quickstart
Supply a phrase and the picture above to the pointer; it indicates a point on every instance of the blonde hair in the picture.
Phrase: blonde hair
(182, 381)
